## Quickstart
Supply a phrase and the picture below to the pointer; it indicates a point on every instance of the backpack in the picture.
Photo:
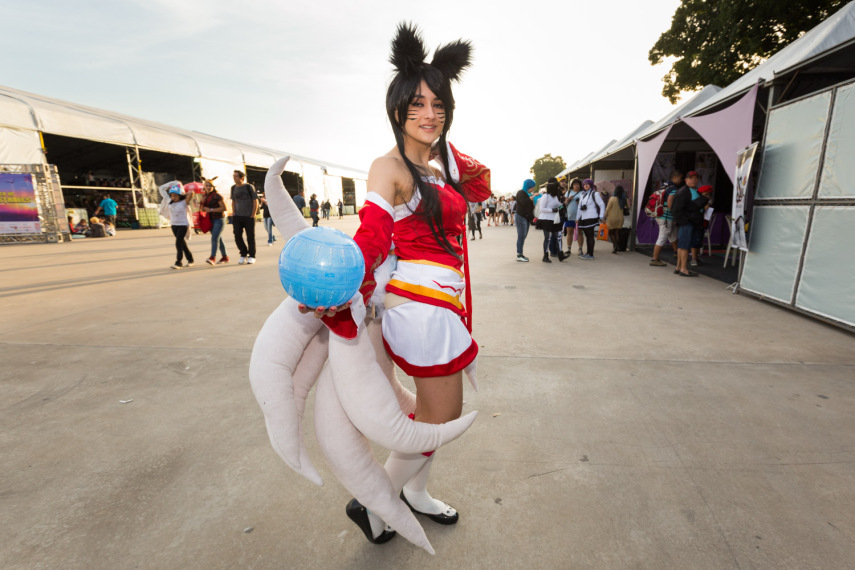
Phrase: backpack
(655, 207)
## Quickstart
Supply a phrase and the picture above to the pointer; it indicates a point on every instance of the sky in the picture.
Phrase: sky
(310, 77)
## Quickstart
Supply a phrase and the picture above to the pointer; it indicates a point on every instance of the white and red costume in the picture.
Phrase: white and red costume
(427, 337)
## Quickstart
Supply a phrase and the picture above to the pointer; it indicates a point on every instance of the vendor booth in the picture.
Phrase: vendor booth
(797, 107)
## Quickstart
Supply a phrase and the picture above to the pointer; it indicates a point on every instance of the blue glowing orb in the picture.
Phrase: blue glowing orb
(321, 267)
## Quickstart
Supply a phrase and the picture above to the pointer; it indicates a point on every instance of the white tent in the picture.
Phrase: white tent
(23, 115)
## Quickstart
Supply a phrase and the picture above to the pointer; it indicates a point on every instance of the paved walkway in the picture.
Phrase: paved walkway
(629, 419)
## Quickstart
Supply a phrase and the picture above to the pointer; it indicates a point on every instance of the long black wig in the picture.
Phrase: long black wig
(449, 61)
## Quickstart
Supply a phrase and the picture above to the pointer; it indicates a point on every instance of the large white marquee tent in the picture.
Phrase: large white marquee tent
(39, 130)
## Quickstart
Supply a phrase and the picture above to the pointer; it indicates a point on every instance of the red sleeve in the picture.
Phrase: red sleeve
(374, 238)
(474, 176)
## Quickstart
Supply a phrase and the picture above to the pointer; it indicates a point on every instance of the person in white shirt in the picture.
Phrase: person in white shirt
(174, 207)
(589, 215)
(549, 221)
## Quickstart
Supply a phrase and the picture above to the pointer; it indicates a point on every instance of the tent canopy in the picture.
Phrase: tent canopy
(828, 49)
(30, 112)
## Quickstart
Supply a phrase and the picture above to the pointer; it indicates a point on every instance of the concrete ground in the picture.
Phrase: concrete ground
(629, 419)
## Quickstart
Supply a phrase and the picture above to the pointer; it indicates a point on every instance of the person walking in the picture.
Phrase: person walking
(476, 211)
(589, 215)
(300, 202)
(109, 207)
(174, 208)
(266, 219)
(244, 208)
(340, 207)
(523, 216)
(313, 209)
(214, 206)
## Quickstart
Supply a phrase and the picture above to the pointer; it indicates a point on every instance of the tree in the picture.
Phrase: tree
(718, 41)
(546, 167)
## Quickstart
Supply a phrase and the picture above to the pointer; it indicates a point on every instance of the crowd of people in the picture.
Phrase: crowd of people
(679, 210)
(573, 212)
(97, 226)
(579, 213)
(178, 206)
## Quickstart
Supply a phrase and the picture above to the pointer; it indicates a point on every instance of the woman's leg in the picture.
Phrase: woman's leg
(216, 230)
(184, 245)
(178, 232)
(438, 400)
(613, 237)
(546, 235)
(589, 239)
(522, 231)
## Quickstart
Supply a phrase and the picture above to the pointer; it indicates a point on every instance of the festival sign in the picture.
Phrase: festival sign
(19, 212)
(744, 159)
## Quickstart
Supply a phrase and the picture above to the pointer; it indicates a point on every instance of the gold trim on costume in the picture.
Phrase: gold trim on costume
(428, 292)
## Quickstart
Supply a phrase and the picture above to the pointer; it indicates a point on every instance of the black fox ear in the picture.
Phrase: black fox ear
(408, 49)
(453, 58)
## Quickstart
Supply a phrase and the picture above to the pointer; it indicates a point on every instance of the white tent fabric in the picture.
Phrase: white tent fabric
(20, 146)
(15, 113)
(36, 113)
(625, 141)
(837, 30)
(727, 131)
(646, 152)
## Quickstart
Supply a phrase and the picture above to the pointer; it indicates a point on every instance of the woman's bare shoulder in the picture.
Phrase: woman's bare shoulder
(389, 177)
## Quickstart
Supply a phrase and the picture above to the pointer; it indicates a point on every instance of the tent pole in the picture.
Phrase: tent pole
(635, 199)
(135, 175)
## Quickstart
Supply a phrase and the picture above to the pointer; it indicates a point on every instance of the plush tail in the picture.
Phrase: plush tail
(372, 405)
(352, 461)
(285, 213)
(288, 355)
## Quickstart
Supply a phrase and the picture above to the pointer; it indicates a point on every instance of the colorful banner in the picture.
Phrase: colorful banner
(19, 212)
(744, 159)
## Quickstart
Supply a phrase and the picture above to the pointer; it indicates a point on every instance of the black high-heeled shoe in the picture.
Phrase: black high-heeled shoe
(441, 518)
(359, 514)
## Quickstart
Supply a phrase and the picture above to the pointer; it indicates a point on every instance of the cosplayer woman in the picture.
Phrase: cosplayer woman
(415, 212)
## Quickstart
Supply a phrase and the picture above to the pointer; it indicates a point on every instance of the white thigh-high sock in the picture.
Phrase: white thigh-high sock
(401, 467)
(415, 490)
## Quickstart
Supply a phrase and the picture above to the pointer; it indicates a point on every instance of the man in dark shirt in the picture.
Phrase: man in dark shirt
(244, 207)
(687, 208)
(300, 201)
(523, 216)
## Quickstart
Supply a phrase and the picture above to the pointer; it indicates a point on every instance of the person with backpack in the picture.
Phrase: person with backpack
(589, 215)
(689, 206)
(659, 207)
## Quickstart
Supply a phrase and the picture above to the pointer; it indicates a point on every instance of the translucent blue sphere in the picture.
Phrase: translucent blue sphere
(321, 267)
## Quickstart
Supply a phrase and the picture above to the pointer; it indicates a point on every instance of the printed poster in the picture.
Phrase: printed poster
(744, 159)
(19, 212)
